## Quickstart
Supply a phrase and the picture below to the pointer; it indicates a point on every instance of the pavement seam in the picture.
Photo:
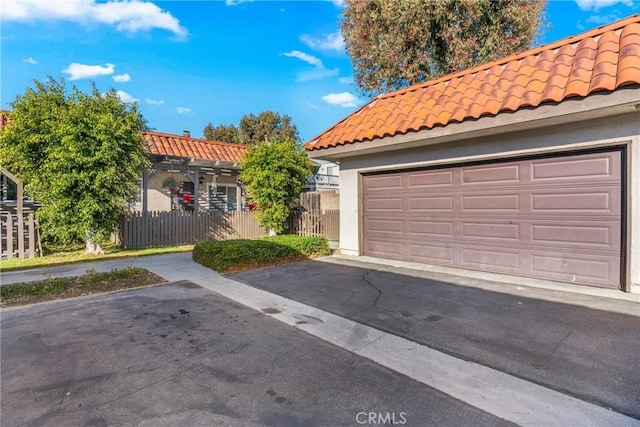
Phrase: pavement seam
(498, 393)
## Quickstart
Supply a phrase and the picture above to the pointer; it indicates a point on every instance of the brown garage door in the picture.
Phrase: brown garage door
(552, 218)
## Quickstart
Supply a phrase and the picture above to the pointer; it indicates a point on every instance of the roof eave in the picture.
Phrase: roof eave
(597, 105)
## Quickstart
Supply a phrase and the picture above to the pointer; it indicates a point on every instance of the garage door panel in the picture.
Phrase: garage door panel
(385, 226)
(510, 202)
(493, 259)
(430, 179)
(392, 250)
(384, 183)
(587, 236)
(577, 269)
(473, 230)
(599, 167)
(592, 201)
(384, 204)
(431, 228)
(440, 203)
(435, 254)
(491, 174)
(552, 218)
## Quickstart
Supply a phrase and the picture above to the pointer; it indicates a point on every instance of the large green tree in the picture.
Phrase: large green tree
(222, 133)
(266, 126)
(396, 43)
(274, 174)
(79, 154)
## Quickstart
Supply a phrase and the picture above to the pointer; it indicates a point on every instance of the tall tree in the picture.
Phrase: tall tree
(396, 43)
(222, 133)
(268, 125)
(79, 154)
(274, 175)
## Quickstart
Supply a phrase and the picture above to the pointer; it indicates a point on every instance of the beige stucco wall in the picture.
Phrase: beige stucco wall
(603, 132)
(159, 199)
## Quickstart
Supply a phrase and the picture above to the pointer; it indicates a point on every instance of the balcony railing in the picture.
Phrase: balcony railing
(322, 181)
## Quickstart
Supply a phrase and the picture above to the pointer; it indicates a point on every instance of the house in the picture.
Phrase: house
(322, 188)
(190, 173)
(527, 166)
(325, 176)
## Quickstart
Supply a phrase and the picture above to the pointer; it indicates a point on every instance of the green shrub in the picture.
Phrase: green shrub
(49, 286)
(228, 255)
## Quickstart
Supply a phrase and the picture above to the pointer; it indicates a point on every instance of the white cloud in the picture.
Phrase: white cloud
(82, 71)
(154, 101)
(604, 19)
(598, 4)
(236, 2)
(183, 110)
(345, 80)
(318, 72)
(309, 59)
(125, 97)
(122, 78)
(343, 99)
(30, 60)
(333, 41)
(315, 107)
(338, 3)
(130, 16)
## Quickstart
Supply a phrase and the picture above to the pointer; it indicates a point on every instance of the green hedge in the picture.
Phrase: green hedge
(233, 255)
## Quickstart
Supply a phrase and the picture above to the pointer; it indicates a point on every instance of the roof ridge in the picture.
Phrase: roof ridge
(206, 141)
(614, 26)
(517, 56)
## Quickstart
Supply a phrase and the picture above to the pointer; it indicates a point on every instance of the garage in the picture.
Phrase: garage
(555, 218)
(527, 166)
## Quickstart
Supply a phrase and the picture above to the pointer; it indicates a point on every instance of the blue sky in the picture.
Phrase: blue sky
(188, 63)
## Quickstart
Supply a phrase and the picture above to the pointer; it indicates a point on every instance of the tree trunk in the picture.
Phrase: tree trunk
(91, 247)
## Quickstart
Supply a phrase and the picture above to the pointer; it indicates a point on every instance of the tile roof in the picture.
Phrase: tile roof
(194, 148)
(602, 59)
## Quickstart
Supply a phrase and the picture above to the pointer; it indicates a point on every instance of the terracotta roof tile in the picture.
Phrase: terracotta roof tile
(605, 58)
(181, 146)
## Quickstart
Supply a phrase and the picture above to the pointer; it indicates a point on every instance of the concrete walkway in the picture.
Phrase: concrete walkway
(503, 395)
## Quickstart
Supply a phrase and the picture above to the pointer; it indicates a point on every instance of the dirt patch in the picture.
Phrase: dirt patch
(68, 287)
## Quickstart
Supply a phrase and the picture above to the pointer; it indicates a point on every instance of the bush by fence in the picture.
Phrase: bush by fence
(157, 229)
(232, 255)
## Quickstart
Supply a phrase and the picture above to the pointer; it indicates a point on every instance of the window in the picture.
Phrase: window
(223, 198)
(9, 188)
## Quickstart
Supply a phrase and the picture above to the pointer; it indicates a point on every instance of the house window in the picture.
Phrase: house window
(9, 188)
(223, 198)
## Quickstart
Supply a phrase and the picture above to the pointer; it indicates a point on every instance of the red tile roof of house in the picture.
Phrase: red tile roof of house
(194, 148)
(603, 59)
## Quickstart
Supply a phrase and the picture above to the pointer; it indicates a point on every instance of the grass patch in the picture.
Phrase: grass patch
(67, 287)
(236, 255)
(78, 255)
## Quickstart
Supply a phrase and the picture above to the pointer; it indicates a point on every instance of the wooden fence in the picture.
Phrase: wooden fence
(316, 223)
(156, 229)
(19, 236)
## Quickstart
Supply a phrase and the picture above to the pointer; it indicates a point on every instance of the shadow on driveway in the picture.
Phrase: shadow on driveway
(591, 350)
(181, 355)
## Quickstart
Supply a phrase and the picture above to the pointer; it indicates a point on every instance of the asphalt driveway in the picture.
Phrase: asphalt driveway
(179, 354)
(584, 346)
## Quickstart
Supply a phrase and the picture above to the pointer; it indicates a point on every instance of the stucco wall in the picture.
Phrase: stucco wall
(159, 199)
(611, 131)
